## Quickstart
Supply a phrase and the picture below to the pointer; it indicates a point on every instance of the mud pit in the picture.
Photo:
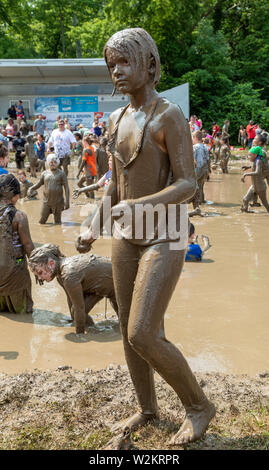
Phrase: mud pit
(218, 315)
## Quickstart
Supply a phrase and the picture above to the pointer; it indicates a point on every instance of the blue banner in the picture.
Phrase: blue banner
(66, 104)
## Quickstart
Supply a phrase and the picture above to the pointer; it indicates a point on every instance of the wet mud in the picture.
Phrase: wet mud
(218, 315)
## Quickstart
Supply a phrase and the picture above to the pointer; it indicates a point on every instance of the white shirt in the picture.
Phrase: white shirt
(61, 141)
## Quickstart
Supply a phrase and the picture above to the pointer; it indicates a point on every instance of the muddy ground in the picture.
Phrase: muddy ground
(69, 409)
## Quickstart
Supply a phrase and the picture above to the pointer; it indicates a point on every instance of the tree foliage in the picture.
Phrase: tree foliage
(220, 47)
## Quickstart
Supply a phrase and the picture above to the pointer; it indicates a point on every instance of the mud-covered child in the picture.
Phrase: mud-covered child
(224, 154)
(86, 279)
(216, 146)
(78, 150)
(88, 165)
(149, 140)
(25, 184)
(101, 158)
(31, 155)
(260, 171)
(19, 144)
(55, 184)
(15, 245)
(40, 149)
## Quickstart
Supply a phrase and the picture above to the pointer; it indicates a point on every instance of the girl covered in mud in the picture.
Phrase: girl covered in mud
(54, 180)
(86, 279)
(15, 244)
(259, 172)
(149, 140)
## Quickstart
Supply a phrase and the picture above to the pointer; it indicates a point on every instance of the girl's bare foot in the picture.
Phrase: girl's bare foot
(134, 422)
(195, 424)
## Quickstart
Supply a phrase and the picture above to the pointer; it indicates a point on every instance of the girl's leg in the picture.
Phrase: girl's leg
(157, 276)
(65, 164)
(57, 212)
(125, 260)
(247, 198)
(89, 181)
(263, 198)
(158, 272)
(45, 212)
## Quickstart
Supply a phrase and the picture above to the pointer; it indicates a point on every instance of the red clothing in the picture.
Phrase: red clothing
(215, 129)
(251, 131)
(90, 161)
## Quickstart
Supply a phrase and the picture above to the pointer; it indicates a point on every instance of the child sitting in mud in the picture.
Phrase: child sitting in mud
(195, 252)
(54, 180)
(25, 184)
(86, 279)
(15, 244)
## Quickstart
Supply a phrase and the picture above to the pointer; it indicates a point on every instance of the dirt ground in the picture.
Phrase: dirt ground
(69, 409)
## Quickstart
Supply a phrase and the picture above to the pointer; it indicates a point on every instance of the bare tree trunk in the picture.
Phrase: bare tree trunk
(78, 45)
(62, 30)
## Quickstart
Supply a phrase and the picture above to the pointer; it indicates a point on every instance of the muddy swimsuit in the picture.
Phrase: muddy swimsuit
(15, 291)
(145, 274)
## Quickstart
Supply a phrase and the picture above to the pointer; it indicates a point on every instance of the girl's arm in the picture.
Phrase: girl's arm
(66, 189)
(258, 170)
(24, 232)
(36, 186)
(75, 294)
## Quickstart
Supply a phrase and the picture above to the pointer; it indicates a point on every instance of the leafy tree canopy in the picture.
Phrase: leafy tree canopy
(220, 47)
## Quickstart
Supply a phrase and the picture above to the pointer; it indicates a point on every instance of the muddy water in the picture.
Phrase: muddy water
(218, 315)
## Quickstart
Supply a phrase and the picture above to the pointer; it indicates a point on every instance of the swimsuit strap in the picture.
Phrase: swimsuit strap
(112, 141)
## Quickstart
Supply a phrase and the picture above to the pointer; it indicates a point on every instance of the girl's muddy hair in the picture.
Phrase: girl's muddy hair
(139, 46)
(9, 186)
(45, 252)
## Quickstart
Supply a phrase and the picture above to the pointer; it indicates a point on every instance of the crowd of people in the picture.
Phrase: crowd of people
(46, 159)
(213, 149)
(49, 155)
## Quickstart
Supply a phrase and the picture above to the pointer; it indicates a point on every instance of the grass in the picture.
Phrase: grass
(62, 428)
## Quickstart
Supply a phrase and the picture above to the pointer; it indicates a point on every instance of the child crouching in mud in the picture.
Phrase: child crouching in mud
(86, 279)
(15, 244)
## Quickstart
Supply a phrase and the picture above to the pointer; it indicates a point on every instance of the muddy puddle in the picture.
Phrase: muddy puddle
(218, 315)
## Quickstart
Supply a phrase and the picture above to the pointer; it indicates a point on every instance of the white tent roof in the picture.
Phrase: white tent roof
(49, 68)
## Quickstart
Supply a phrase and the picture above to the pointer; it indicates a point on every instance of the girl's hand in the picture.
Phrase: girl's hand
(84, 242)
(76, 193)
